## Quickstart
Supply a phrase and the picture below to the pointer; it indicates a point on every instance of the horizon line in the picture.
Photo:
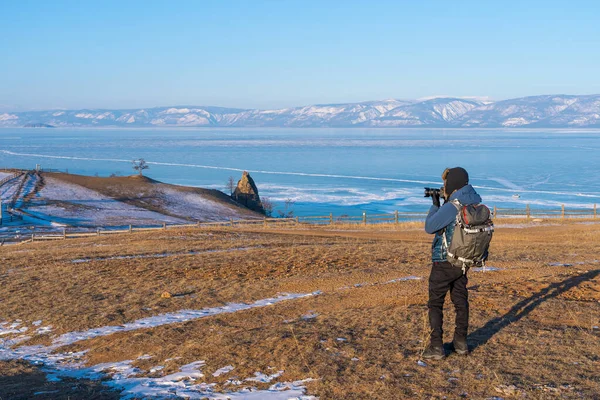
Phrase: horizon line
(487, 100)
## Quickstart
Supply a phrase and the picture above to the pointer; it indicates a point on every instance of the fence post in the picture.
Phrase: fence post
(130, 229)
(495, 213)
(32, 237)
(164, 225)
(595, 213)
(562, 211)
(396, 217)
(364, 217)
(231, 220)
(297, 220)
(330, 218)
(527, 211)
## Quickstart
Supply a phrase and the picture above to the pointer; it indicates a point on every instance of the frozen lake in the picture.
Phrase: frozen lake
(344, 171)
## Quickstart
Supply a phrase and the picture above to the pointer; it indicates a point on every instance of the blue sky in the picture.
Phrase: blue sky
(264, 54)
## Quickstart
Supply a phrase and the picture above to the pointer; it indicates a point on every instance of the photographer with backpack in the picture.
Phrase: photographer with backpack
(463, 230)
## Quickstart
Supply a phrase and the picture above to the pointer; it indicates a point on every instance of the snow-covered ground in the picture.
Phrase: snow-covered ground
(58, 204)
(193, 205)
(75, 205)
(123, 376)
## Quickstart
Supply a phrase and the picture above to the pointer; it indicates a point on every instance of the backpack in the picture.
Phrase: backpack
(472, 235)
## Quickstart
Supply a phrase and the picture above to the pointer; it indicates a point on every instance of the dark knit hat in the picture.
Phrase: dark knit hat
(454, 179)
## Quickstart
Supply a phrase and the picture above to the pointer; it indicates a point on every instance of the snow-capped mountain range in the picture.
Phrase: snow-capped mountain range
(549, 111)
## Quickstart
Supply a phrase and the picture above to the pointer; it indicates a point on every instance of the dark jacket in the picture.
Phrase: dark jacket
(440, 220)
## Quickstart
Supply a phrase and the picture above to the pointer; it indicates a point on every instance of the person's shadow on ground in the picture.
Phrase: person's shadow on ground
(482, 335)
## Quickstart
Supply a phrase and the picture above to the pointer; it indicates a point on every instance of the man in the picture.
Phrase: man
(444, 276)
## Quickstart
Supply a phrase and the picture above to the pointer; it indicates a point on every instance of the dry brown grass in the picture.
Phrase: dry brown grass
(531, 323)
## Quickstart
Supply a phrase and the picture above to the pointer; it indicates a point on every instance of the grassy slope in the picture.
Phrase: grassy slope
(531, 322)
(141, 191)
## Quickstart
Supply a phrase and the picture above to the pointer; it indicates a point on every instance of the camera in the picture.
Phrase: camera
(430, 192)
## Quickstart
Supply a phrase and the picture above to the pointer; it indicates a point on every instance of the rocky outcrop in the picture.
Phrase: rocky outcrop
(246, 193)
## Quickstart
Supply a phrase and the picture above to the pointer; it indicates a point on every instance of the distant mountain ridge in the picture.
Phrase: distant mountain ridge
(548, 111)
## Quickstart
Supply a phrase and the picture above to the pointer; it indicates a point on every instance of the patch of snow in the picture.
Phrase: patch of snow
(263, 378)
(406, 278)
(189, 387)
(188, 371)
(6, 328)
(510, 122)
(194, 205)
(485, 269)
(224, 370)
(156, 369)
(43, 354)
(177, 111)
(105, 115)
(90, 207)
(310, 315)
(44, 330)
(7, 117)
(124, 376)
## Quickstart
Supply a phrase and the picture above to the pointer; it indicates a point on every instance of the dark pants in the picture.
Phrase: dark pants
(445, 277)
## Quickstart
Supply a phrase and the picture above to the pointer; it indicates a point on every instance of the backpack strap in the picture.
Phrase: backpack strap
(458, 206)
(456, 203)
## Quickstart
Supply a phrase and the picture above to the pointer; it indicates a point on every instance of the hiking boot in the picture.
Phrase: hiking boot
(434, 351)
(460, 345)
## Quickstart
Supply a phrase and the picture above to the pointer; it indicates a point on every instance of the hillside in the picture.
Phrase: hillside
(77, 200)
(276, 314)
(548, 111)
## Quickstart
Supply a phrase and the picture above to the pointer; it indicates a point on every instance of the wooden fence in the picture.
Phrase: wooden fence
(72, 233)
(397, 216)
(364, 219)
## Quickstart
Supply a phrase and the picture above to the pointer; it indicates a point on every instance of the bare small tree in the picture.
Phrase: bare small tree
(267, 205)
(140, 165)
(230, 186)
(288, 211)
